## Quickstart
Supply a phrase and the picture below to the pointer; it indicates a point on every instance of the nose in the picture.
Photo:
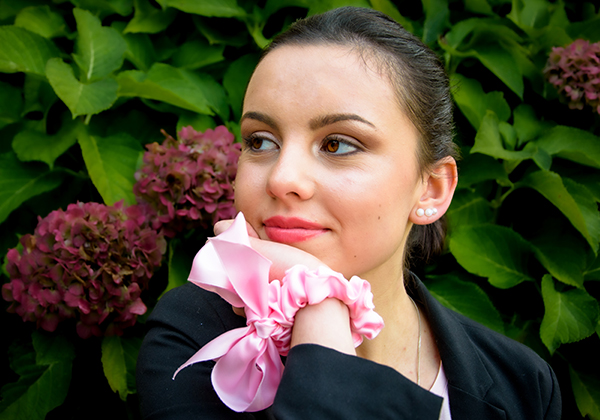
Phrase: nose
(292, 175)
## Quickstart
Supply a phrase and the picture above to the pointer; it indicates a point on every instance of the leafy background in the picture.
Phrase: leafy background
(85, 84)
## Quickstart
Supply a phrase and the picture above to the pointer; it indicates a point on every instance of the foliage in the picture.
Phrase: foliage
(86, 84)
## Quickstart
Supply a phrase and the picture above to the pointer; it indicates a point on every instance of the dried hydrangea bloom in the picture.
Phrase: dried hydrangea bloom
(89, 263)
(189, 181)
(575, 72)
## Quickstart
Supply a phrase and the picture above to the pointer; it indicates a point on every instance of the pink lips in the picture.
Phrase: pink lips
(289, 230)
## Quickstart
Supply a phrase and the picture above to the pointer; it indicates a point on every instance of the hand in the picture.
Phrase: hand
(282, 256)
(326, 323)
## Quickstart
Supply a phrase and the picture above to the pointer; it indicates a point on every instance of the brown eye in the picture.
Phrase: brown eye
(332, 146)
(256, 143)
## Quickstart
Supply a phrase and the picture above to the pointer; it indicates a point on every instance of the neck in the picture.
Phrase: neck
(397, 344)
(393, 346)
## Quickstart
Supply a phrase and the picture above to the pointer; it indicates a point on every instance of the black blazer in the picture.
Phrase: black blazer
(489, 375)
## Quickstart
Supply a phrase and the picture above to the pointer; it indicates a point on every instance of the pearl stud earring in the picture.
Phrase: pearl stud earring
(431, 211)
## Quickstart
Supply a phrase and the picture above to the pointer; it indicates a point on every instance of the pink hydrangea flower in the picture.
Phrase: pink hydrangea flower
(89, 263)
(189, 181)
(575, 72)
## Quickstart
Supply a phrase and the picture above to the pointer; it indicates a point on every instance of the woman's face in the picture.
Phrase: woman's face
(329, 162)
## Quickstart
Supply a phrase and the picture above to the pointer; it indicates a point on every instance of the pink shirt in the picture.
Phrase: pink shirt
(440, 388)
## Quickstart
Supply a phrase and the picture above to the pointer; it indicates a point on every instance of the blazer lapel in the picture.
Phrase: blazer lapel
(468, 379)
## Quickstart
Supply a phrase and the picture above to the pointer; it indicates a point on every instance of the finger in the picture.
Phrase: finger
(251, 232)
(222, 225)
(239, 311)
(283, 257)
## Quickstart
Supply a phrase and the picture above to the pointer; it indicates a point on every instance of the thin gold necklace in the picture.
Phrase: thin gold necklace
(418, 344)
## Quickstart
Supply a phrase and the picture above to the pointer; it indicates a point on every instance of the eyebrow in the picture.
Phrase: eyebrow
(314, 124)
(333, 118)
(259, 117)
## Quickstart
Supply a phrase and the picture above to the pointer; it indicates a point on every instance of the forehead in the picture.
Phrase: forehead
(320, 75)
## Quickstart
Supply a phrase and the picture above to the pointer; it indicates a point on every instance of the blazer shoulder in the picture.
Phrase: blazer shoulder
(195, 312)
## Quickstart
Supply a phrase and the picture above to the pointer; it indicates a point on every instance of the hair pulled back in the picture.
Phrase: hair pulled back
(415, 72)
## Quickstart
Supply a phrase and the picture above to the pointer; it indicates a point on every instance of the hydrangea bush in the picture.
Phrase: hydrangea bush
(575, 72)
(89, 263)
(189, 180)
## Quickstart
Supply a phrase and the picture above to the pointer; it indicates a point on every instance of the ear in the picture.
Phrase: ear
(438, 189)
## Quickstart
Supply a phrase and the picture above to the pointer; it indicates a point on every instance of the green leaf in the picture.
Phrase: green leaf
(571, 143)
(99, 50)
(589, 209)
(501, 61)
(148, 19)
(42, 386)
(489, 142)
(591, 181)
(592, 271)
(212, 30)
(492, 251)
(42, 21)
(589, 29)
(572, 199)
(586, 389)
(437, 19)
(466, 298)
(180, 264)
(479, 6)
(19, 182)
(52, 348)
(563, 255)
(105, 7)
(11, 104)
(508, 134)
(140, 51)
(527, 124)
(387, 7)
(495, 45)
(216, 8)
(474, 102)
(200, 122)
(82, 99)
(119, 357)
(530, 14)
(189, 90)
(195, 54)
(236, 79)
(569, 316)
(111, 163)
(468, 208)
(10, 8)
(24, 51)
(541, 158)
(476, 168)
(39, 95)
(35, 145)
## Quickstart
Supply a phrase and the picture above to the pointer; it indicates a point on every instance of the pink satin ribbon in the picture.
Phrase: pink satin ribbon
(249, 367)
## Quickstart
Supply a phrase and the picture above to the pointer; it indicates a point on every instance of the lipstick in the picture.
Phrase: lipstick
(289, 230)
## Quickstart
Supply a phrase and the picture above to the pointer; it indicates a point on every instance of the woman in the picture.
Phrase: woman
(348, 162)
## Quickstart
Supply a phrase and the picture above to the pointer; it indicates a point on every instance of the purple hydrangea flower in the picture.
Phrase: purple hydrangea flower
(89, 263)
(189, 181)
(575, 72)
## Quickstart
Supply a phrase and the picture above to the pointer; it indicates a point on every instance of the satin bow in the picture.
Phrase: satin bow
(249, 368)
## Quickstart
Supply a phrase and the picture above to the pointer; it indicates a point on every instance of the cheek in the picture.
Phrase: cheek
(249, 187)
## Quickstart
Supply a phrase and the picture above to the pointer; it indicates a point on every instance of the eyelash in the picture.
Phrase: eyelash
(249, 140)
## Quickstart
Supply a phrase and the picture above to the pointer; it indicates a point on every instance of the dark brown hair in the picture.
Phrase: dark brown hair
(418, 76)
